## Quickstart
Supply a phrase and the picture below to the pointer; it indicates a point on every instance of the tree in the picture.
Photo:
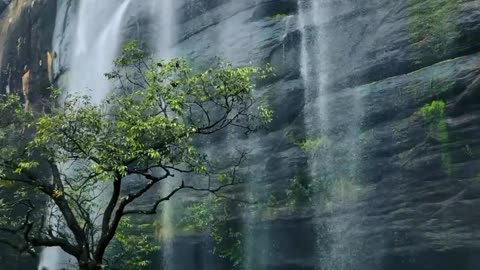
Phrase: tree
(78, 156)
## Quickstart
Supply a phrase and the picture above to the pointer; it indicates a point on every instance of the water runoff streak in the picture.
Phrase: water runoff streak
(332, 118)
(163, 18)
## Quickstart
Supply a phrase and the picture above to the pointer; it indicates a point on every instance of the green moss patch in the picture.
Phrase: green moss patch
(431, 24)
(434, 115)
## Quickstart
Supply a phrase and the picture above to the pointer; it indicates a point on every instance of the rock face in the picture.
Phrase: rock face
(26, 28)
(378, 67)
(391, 87)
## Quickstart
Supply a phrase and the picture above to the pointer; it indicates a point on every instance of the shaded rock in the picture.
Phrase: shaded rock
(26, 30)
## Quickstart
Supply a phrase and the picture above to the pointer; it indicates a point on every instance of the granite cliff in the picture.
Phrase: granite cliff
(378, 98)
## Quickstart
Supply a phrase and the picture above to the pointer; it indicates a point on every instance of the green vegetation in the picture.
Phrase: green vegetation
(431, 24)
(433, 112)
(145, 130)
(434, 115)
(131, 246)
(215, 215)
(322, 193)
(477, 177)
(307, 145)
(299, 193)
(278, 16)
(271, 208)
(312, 144)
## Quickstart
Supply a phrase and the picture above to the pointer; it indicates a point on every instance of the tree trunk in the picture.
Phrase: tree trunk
(90, 266)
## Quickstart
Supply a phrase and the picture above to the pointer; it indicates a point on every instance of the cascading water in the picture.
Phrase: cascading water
(93, 51)
(87, 51)
(52, 257)
(333, 165)
(89, 54)
(94, 48)
(360, 175)
(163, 17)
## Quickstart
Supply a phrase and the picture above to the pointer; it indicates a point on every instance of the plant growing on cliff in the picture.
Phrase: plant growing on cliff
(434, 115)
(79, 158)
(432, 24)
(299, 193)
(215, 215)
(278, 16)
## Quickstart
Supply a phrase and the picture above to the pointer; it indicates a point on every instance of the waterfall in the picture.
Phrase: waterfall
(334, 166)
(93, 50)
(51, 257)
(163, 35)
(87, 47)
(163, 15)
(96, 44)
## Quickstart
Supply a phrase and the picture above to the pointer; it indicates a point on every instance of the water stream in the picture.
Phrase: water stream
(88, 36)
(333, 120)
(93, 50)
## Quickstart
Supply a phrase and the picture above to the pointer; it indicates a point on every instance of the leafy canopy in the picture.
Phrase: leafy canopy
(80, 155)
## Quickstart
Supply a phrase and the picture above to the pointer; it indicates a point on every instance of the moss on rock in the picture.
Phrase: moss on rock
(431, 24)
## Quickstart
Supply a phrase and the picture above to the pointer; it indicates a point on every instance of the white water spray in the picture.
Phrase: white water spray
(95, 47)
(163, 16)
(335, 165)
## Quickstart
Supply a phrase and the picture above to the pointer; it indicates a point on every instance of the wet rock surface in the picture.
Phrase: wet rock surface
(419, 210)
(26, 29)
